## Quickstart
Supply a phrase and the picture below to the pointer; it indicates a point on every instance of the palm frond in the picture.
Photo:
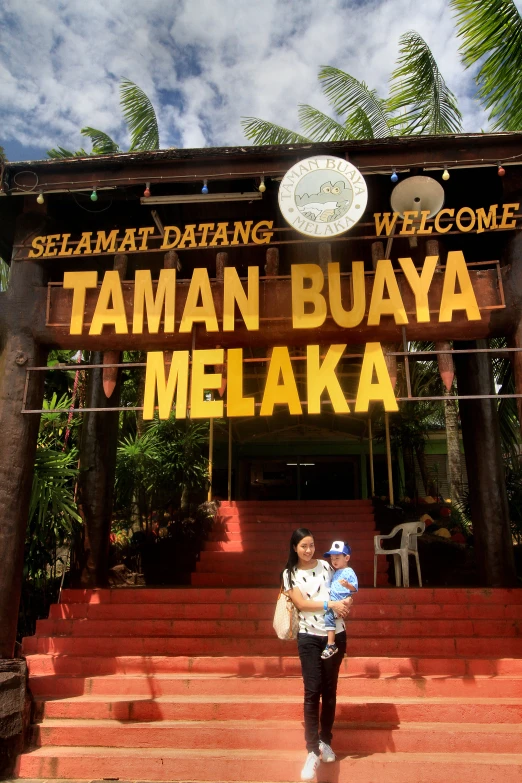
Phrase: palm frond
(319, 126)
(140, 117)
(60, 152)
(347, 94)
(102, 144)
(264, 132)
(419, 92)
(358, 125)
(491, 33)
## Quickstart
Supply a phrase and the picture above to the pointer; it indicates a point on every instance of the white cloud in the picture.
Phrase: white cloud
(203, 63)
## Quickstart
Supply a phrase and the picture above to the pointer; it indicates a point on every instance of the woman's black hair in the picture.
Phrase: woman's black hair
(296, 537)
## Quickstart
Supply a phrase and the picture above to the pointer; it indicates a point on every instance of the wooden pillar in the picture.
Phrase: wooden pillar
(98, 446)
(230, 441)
(210, 456)
(221, 263)
(21, 307)
(451, 416)
(272, 262)
(325, 256)
(377, 253)
(487, 487)
(517, 368)
(389, 458)
(370, 444)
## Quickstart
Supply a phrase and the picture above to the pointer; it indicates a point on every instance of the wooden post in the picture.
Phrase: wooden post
(377, 253)
(210, 456)
(229, 489)
(388, 458)
(98, 447)
(325, 256)
(22, 304)
(487, 487)
(517, 369)
(272, 262)
(221, 263)
(110, 374)
(370, 443)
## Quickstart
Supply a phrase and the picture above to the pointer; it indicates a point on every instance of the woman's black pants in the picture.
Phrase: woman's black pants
(320, 682)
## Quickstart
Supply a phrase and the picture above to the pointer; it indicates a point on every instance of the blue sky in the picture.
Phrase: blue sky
(203, 63)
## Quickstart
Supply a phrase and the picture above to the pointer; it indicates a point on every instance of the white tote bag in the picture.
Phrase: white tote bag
(286, 618)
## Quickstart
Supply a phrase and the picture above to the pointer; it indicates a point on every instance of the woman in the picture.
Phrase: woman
(306, 581)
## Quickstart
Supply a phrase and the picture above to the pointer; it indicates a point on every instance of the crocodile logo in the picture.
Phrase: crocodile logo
(322, 196)
(332, 201)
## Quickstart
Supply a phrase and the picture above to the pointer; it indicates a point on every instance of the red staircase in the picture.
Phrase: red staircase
(249, 545)
(192, 684)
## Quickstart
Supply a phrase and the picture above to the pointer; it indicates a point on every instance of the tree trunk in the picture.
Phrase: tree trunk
(453, 443)
(97, 469)
(19, 430)
(487, 486)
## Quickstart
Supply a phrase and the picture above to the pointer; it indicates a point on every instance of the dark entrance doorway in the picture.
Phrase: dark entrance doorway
(301, 478)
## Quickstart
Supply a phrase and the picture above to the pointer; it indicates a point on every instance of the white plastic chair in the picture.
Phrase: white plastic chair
(410, 531)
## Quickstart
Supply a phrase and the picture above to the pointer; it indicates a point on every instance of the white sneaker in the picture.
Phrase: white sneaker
(310, 767)
(327, 754)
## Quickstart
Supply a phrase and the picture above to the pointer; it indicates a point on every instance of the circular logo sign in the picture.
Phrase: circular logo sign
(322, 196)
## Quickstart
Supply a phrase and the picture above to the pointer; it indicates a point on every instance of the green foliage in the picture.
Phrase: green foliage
(319, 125)
(507, 408)
(140, 117)
(491, 33)
(53, 514)
(513, 471)
(154, 469)
(263, 132)
(3, 157)
(141, 121)
(419, 102)
(419, 90)
(4, 275)
(102, 144)
(348, 95)
(60, 152)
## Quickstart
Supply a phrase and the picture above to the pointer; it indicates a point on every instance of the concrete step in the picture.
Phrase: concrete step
(267, 578)
(300, 505)
(279, 549)
(415, 596)
(239, 564)
(321, 529)
(279, 735)
(382, 628)
(319, 520)
(391, 686)
(174, 764)
(219, 707)
(281, 538)
(265, 611)
(438, 647)
(82, 666)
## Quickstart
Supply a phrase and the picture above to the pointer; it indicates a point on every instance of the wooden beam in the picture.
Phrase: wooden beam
(276, 319)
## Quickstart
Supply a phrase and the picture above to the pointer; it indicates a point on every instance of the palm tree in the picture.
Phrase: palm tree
(419, 102)
(141, 120)
(491, 36)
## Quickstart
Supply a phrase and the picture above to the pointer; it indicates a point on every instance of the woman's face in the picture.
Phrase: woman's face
(305, 549)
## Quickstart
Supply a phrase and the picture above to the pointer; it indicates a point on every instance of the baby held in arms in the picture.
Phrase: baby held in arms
(344, 583)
